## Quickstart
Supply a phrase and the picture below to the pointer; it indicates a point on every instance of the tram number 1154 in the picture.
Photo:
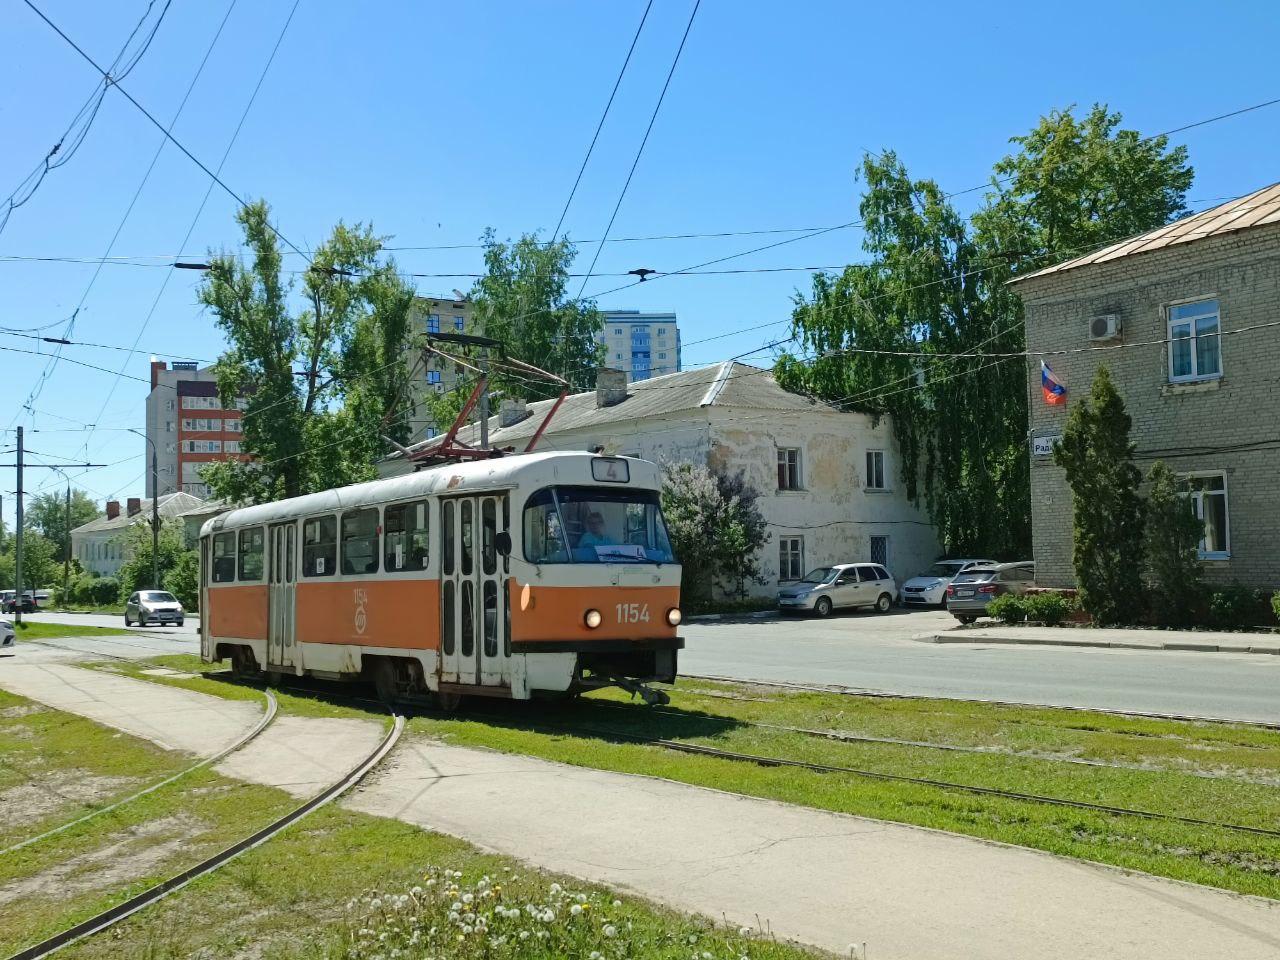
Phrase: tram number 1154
(632, 612)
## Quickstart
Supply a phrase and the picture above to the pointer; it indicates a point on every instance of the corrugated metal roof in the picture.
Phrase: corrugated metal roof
(729, 384)
(169, 505)
(1258, 209)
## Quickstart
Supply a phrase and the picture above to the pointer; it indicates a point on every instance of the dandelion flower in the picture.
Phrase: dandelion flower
(576, 909)
(556, 888)
(375, 904)
(467, 897)
(594, 955)
(617, 904)
(610, 930)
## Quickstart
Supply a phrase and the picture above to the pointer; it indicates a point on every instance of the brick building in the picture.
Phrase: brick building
(189, 427)
(1187, 319)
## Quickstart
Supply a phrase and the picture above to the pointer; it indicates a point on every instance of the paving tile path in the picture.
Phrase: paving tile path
(822, 878)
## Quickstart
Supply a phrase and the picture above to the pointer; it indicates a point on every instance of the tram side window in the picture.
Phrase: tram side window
(252, 542)
(406, 531)
(360, 541)
(320, 547)
(224, 558)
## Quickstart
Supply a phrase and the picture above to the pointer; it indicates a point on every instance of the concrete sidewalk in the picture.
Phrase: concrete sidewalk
(817, 877)
(1201, 641)
(821, 878)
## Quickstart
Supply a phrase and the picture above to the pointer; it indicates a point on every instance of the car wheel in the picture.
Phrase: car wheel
(127, 621)
(823, 607)
(179, 622)
(967, 619)
(884, 603)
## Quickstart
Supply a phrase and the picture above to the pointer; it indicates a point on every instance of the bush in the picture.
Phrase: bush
(1010, 608)
(1237, 606)
(1049, 608)
(1275, 604)
(104, 591)
(1172, 535)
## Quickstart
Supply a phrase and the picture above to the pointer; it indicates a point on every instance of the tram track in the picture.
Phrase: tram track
(113, 915)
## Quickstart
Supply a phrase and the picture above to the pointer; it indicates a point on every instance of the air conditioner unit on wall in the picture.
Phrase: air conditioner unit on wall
(1105, 327)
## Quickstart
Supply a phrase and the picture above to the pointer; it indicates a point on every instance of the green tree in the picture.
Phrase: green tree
(323, 371)
(135, 574)
(1107, 531)
(521, 302)
(183, 580)
(47, 515)
(41, 566)
(1173, 533)
(715, 526)
(935, 287)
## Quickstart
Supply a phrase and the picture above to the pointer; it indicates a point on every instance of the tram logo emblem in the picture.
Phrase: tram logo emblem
(362, 618)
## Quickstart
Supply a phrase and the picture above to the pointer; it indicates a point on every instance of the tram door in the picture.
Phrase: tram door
(474, 624)
(281, 579)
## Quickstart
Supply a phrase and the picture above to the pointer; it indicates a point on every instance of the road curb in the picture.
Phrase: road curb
(1177, 646)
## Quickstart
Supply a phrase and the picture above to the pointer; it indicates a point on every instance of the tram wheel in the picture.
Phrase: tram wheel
(244, 666)
(448, 702)
(383, 672)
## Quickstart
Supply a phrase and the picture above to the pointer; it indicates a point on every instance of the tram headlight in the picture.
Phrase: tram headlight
(674, 616)
(592, 619)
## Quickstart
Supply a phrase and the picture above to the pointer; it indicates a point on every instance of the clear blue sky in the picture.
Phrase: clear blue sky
(435, 120)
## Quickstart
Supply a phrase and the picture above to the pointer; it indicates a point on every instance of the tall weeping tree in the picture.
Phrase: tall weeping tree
(933, 295)
(320, 361)
(522, 301)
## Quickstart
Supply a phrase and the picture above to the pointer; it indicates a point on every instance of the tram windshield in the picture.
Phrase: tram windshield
(595, 525)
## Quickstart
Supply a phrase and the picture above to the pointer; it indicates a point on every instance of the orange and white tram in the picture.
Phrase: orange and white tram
(533, 574)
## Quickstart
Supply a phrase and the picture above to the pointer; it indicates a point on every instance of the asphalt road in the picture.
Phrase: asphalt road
(877, 654)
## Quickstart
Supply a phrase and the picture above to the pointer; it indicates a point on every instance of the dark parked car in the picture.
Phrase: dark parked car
(970, 592)
(9, 602)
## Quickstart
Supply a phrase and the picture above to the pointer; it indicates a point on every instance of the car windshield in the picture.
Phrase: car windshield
(595, 525)
(157, 596)
(942, 570)
(820, 575)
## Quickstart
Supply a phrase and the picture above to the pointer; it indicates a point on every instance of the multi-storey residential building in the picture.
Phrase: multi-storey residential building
(189, 427)
(432, 374)
(1184, 318)
(642, 345)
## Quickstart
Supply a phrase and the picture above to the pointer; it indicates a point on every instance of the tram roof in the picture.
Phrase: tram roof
(474, 476)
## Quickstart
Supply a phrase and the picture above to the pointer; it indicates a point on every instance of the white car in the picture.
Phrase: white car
(842, 585)
(7, 638)
(930, 588)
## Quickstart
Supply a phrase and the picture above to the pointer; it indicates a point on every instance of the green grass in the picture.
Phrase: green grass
(63, 879)
(285, 900)
(215, 679)
(1222, 772)
(31, 630)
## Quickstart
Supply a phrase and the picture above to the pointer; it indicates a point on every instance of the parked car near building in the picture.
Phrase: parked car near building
(970, 592)
(825, 589)
(153, 606)
(930, 588)
(7, 637)
(9, 602)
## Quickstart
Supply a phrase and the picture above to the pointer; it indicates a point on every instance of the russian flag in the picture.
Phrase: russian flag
(1055, 391)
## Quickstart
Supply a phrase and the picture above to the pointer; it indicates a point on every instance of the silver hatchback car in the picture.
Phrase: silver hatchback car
(842, 585)
(153, 606)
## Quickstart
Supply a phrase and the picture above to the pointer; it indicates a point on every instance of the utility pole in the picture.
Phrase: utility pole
(155, 520)
(66, 546)
(17, 563)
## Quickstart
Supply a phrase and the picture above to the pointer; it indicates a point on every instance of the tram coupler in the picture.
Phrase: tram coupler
(654, 698)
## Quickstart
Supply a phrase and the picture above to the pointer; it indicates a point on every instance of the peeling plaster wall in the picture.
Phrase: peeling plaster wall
(834, 513)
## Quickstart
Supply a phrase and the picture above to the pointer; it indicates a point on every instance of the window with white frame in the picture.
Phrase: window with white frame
(200, 403)
(201, 424)
(790, 558)
(789, 468)
(233, 426)
(1208, 493)
(201, 446)
(230, 446)
(1195, 347)
(875, 470)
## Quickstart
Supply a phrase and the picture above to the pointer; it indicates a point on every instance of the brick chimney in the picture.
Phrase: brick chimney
(113, 509)
(611, 387)
(134, 506)
(156, 367)
(512, 412)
